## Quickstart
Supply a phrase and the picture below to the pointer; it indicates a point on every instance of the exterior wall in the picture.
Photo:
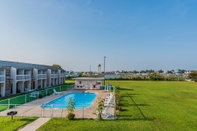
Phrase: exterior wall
(8, 88)
(2, 75)
(35, 75)
(2, 82)
(13, 80)
(88, 84)
(61, 77)
(19, 78)
(40, 78)
(49, 77)
(13, 76)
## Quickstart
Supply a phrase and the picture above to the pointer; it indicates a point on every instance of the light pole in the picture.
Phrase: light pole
(104, 69)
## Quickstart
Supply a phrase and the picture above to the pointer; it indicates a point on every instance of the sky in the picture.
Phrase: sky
(78, 34)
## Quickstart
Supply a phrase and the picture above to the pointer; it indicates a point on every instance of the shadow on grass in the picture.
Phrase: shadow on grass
(126, 89)
(137, 119)
(28, 119)
(124, 115)
(138, 105)
(124, 110)
(126, 95)
(125, 103)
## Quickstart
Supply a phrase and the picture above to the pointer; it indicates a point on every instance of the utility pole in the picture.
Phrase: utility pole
(104, 69)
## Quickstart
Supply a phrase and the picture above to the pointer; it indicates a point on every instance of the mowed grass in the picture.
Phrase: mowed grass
(6, 124)
(147, 105)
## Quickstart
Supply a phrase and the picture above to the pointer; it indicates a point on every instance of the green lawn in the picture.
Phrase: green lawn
(6, 124)
(147, 105)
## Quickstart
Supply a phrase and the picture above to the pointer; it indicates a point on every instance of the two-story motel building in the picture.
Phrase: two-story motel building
(18, 77)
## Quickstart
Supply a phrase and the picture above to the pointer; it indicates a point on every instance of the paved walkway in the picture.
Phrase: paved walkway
(35, 125)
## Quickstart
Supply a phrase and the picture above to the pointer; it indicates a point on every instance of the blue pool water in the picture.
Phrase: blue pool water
(82, 99)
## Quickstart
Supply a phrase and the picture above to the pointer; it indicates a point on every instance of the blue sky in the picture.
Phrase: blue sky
(132, 34)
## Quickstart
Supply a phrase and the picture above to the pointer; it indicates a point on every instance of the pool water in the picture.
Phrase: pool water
(82, 100)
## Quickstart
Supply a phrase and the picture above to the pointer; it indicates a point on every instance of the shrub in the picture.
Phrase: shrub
(119, 108)
(40, 96)
(70, 116)
(70, 108)
(99, 108)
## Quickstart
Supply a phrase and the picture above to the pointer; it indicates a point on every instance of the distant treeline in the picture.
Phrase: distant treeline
(151, 78)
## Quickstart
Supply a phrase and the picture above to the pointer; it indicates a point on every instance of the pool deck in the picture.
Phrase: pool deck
(34, 108)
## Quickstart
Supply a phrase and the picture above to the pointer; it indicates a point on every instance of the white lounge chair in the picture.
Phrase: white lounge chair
(108, 100)
(106, 113)
(34, 94)
(56, 93)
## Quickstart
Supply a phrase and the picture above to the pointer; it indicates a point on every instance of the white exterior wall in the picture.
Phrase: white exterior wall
(20, 79)
(13, 76)
(59, 76)
(2, 82)
(35, 75)
(87, 84)
(23, 80)
(40, 79)
(49, 77)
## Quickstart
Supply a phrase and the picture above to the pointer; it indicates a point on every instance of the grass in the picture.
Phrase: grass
(147, 105)
(6, 124)
(2, 108)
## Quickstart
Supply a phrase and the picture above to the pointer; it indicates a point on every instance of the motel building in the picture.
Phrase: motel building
(17, 77)
(88, 83)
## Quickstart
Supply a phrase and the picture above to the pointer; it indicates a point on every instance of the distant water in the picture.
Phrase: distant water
(112, 76)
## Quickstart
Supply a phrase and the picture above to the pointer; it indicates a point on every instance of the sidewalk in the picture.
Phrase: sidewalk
(35, 125)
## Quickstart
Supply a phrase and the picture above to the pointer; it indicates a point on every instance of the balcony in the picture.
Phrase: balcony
(2, 78)
(23, 77)
(42, 76)
(62, 75)
(54, 75)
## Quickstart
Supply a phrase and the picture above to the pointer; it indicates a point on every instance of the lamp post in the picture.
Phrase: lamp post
(104, 69)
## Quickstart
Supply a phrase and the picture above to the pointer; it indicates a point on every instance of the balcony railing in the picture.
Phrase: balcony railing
(42, 76)
(63, 75)
(23, 77)
(2, 78)
(54, 75)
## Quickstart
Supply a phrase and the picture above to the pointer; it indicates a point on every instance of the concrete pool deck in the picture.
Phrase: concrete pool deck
(34, 108)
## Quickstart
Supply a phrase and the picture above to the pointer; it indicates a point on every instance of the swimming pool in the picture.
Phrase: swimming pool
(82, 99)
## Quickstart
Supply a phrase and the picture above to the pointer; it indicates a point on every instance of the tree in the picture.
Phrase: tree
(80, 74)
(57, 66)
(135, 72)
(142, 71)
(181, 71)
(169, 72)
(160, 71)
(99, 108)
(193, 76)
(70, 108)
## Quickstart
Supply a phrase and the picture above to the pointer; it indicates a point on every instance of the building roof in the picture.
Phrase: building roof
(21, 65)
(87, 78)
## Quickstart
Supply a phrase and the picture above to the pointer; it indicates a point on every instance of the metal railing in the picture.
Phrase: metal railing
(42, 76)
(20, 104)
(54, 75)
(22, 99)
(2, 78)
(40, 111)
(62, 75)
(23, 77)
